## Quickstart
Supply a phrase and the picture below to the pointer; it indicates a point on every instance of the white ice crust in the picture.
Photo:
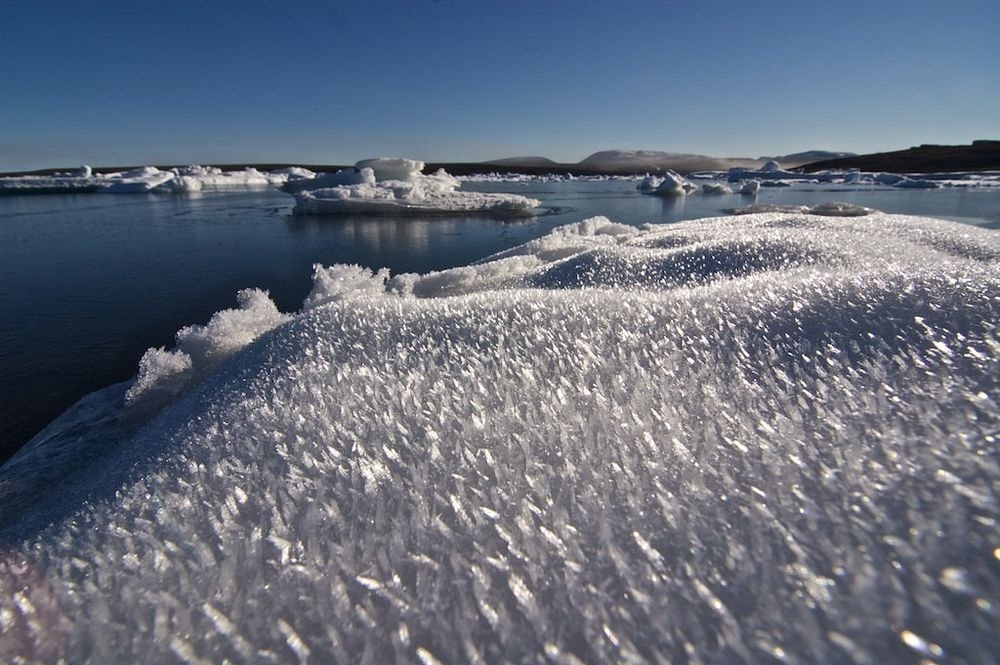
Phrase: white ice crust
(765, 438)
(393, 186)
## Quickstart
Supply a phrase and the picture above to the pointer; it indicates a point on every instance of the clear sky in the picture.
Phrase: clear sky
(114, 83)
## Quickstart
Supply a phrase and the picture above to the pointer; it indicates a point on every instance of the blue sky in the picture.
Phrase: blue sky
(113, 83)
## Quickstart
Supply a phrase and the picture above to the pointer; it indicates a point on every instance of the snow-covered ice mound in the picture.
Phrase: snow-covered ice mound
(392, 186)
(766, 438)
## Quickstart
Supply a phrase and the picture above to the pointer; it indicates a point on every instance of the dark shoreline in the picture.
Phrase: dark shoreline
(980, 156)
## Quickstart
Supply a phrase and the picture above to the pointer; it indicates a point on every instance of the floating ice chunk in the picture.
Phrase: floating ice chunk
(294, 173)
(750, 187)
(716, 188)
(771, 166)
(917, 183)
(351, 176)
(759, 208)
(215, 180)
(649, 184)
(669, 184)
(197, 170)
(888, 178)
(839, 210)
(408, 199)
(414, 194)
(192, 178)
(392, 168)
(145, 179)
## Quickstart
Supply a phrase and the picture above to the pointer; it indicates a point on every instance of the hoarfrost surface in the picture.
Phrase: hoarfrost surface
(742, 439)
(202, 347)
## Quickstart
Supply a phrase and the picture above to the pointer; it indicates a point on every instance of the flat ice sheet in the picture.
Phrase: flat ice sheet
(761, 438)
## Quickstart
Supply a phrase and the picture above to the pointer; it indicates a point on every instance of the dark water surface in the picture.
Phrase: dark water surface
(89, 282)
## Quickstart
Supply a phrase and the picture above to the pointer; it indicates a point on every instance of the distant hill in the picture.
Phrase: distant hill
(605, 162)
(807, 157)
(522, 161)
(979, 156)
(641, 161)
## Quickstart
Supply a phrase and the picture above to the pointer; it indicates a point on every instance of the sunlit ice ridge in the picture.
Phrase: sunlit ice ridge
(758, 438)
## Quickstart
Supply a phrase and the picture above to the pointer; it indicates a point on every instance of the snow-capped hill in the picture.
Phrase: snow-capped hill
(807, 157)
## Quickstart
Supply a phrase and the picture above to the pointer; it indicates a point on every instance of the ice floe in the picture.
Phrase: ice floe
(392, 186)
(183, 179)
(295, 179)
(737, 439)
(199, 178)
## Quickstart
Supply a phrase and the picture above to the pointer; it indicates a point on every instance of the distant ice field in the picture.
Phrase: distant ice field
(759, 438)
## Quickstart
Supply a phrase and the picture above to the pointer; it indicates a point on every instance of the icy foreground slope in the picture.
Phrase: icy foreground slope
(767, 438)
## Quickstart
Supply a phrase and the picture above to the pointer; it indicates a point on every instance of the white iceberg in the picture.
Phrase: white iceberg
(668, 184)
(392, 168)
(916, 183)
(199, 179)
(397, 187)
(832, 209)
(716, 188)
(351, 176)
(751, 187)
(725, 440)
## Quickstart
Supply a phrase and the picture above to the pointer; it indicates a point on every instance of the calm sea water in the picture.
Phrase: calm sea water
(89, 282)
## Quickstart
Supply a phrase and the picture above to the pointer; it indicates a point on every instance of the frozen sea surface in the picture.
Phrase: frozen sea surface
(766, 438)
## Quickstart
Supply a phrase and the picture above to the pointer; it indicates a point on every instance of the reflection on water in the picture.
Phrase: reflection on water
(373, 235)
(89, 281)
(673, 206)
